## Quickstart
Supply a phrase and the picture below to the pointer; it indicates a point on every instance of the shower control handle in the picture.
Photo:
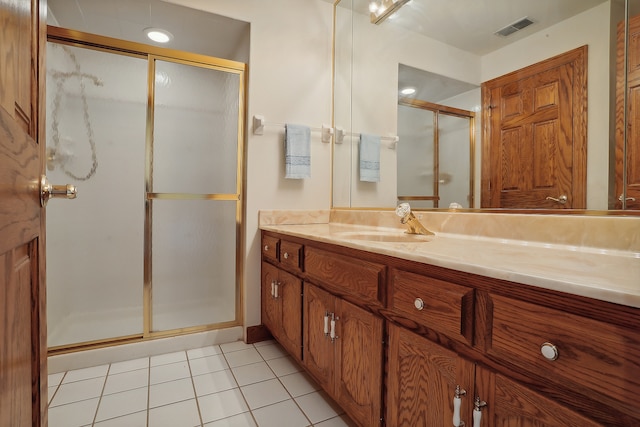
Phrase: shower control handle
(49, 191)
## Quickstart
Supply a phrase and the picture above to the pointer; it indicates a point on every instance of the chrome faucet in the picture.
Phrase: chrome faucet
(407, 217)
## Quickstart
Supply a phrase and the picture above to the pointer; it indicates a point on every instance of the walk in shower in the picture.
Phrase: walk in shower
(153, 139)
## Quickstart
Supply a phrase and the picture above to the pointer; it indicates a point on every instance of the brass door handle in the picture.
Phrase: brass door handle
(562, 199)
(49, 191)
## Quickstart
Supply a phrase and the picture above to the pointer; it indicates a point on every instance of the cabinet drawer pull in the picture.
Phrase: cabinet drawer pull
(549, 351)
(457, 400)
(419, 304)
(286, 255)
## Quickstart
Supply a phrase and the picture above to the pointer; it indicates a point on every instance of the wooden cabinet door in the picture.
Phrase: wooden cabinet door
(23, 340)
(289, 299)
(318, 355)
(270, 308)
(421, 382)
(510, 404)
(358, 352)
(282, 308)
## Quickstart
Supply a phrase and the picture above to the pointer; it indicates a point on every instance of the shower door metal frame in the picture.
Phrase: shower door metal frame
(438, 109)
(151, 54)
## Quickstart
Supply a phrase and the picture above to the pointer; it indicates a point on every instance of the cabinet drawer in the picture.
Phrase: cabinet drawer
(345, 275)
(270, 247)
(591, 354)
(441, 306)
(291, 254)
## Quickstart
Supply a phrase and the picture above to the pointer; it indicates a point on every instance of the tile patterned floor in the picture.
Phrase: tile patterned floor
(233, 384)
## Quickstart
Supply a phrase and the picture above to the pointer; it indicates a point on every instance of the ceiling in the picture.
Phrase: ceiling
(193, 30)
(470, 24)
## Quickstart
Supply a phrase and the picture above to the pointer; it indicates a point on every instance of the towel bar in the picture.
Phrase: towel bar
(259, 123)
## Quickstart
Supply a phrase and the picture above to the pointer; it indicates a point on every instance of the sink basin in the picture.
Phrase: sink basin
(387, 236)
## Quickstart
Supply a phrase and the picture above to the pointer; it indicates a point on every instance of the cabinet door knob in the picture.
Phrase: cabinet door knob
(286, 255)
(419, 304)
(266, 248)
(549, 351)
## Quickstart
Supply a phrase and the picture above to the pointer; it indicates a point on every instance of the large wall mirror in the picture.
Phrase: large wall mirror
(516, 104)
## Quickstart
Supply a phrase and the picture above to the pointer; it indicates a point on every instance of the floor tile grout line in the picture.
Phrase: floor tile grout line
(148, 389)
(56, 390)
(285, 388)
(104, 385)
(195, 394)
(253, 417)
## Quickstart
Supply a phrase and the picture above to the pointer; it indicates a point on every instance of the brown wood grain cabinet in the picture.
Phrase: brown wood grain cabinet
(406, 334)
(343, 352)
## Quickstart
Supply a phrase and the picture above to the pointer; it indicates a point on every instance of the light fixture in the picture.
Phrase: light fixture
(158, 35)
(385, 9)
(408, 91)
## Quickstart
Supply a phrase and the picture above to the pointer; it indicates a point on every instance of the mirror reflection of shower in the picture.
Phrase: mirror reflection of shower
(62, 151)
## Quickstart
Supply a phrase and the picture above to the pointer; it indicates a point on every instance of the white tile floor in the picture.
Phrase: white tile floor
(233, 384)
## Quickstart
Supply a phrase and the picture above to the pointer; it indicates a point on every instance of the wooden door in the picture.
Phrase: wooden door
(632, 158)
(290, 300)
(23, 344)
(318, 350)
(421, 382)
(269, 307)
(514, 405)
(534, 140)
(358, 353)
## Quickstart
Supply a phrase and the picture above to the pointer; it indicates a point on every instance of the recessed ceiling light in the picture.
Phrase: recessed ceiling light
(408, 91)
(158, 35)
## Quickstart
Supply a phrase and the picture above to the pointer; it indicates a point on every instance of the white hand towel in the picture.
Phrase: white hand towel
(369, 158)
(297, 148)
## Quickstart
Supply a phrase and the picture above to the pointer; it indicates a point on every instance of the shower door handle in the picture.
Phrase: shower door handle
(49, 191)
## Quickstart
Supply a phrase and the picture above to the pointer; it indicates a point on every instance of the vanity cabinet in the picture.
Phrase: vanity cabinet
(343, 353)
(390, 340)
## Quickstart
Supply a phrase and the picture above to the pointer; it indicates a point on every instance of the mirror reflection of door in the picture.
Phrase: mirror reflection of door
(534, 147)
(627, 187)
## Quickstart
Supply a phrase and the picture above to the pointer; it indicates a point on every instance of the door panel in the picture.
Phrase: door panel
(318, 350)
(513, 405)
(23, 375)
(632, 157)
(290, 289)
(359, 362)
(422, 379)
(535, 126)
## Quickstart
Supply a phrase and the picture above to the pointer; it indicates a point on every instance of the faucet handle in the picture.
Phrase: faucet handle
(403, 209)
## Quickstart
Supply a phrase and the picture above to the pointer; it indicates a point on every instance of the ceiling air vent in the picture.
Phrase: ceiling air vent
(512, 28)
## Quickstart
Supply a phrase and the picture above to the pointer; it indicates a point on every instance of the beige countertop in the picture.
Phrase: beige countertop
(607, 274)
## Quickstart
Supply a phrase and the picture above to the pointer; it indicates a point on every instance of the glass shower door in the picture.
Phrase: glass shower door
(96, 113)
(194, 196)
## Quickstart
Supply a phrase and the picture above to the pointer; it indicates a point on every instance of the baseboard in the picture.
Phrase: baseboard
(257, 333)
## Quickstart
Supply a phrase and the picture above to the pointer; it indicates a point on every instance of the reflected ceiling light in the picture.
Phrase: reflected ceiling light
(385, 9)
(158, 35)
(408, 91)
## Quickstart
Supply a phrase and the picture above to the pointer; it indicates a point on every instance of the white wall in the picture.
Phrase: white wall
(289, 81)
